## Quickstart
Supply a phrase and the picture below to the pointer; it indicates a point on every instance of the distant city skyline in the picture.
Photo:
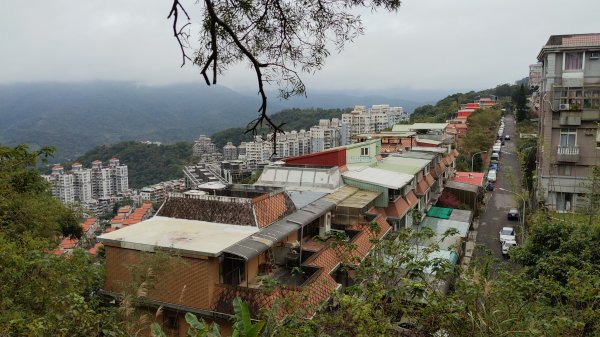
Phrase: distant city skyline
(432, 45)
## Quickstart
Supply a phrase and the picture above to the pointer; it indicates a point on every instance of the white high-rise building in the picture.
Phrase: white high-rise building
(230, 151)
(203, 145)
(82, 183)
(62, 185)
(326, 135)
(119, 177)
(101, 180)
(376, 119)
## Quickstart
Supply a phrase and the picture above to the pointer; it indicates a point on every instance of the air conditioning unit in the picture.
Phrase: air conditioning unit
(325, 225)
(564, 107)
(594, 55)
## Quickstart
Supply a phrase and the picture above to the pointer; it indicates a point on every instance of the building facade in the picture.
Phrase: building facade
(569, 114)
(376, 119)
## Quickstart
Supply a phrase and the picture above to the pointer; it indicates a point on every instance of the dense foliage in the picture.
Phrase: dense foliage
(147, 164)
(42, 294)
(483, 127)
(446, 108)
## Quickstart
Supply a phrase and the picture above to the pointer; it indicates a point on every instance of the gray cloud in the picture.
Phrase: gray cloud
(428, 44)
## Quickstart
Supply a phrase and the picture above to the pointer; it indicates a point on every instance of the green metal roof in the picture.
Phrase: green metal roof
(402, 164)
(401, 127)
(440, 212)
(418, 155)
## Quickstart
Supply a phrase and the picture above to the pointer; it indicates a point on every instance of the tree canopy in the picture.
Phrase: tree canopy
(278, 39)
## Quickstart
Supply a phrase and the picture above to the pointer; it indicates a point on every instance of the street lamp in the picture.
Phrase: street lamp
(473, 157)
(522, 215)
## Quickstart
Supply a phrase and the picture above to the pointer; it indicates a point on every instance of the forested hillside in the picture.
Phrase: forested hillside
(446, 108)
(147, 164)
(75, 117)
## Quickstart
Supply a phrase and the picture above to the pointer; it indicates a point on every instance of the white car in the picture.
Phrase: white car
(507, 234)
(507, 245)
(492, 176)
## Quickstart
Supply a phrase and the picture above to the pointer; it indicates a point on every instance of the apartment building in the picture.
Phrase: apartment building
(328, 134)
(62, 185)
(230, 151)
(569, 114)
(93, 187)
(82, 183)
(376, 119)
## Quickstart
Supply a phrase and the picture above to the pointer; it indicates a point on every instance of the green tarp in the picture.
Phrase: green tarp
(440, 212)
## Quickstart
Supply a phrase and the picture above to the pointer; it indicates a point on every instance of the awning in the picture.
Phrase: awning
(259, 242)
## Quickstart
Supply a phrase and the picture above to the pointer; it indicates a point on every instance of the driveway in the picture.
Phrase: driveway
(499, 202)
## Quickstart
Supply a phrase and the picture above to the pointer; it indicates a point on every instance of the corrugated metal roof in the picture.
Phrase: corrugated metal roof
(359, 199)
(341, 194)
(376, 176)
(303, 198)
(259, 242)
(418, 155)
(428, 149)
(429, 141)
(301, 178)
(462, 186)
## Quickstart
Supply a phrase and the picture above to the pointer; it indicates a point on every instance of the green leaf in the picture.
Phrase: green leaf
(156, 330)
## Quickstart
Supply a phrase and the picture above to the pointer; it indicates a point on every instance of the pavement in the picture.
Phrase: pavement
(497, 203)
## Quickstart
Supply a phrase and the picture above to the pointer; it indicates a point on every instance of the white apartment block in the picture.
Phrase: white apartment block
(82, 183)
(203, 145)
(62, 185)
(119, 177)
(230, 151)
(85, 185)
(376, 119)
(328, 134)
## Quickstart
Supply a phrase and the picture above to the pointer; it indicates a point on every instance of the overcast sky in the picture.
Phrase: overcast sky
(428, 44)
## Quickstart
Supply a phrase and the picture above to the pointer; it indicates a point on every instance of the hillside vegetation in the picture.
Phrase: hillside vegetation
(147, 164)
(446, 108)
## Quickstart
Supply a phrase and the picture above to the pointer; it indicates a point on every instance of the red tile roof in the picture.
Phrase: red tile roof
(422, 186)
(398, 208)
(269, 209)
(411, 198)
(89, 222)
(581, 40)
(429, 179)
(472, 178)
(94, 249)
(68, 243)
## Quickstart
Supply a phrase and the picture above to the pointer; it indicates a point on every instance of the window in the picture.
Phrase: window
(364, 151)
(564, 170)
(568, 137)
(573, 61)
(170, 321)
(564, 201)
(598, 136)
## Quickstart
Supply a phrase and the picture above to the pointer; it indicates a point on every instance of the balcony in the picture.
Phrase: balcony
(570, 118)
(568, 154)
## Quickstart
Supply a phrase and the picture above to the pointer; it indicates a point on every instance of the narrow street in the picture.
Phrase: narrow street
(499, 202)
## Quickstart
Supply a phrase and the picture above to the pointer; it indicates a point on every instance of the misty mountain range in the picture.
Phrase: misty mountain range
(75, 117)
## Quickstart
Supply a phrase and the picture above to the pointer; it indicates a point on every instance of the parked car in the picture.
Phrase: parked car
(513, 214)
(494, 166)
(507, 137)
(495, 157)
(492, 176)
(508, 245)
(507, 234)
